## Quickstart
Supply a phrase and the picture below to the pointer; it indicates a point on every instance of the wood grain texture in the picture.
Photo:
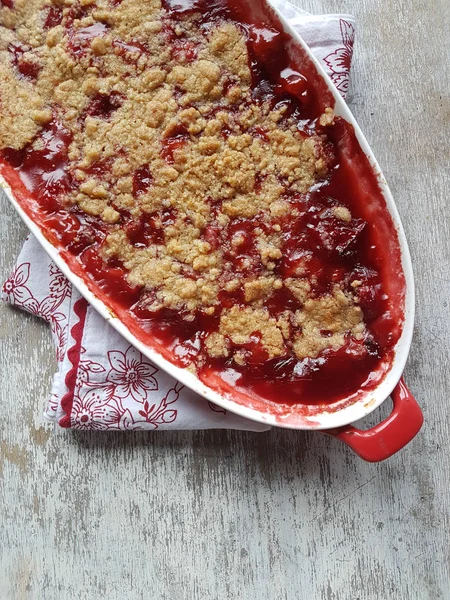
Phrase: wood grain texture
(231, 515)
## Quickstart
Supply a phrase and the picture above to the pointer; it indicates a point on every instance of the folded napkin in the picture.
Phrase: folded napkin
(102, 382)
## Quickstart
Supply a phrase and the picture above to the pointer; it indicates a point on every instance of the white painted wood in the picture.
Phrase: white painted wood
(230, 515)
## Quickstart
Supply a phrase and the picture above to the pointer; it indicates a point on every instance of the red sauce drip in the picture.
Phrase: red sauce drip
(259, 180)
(180, 7)
(99, 168)
(294, 83)
(260, 133)
(30, 70)
(209, 9)
(44, 172)
(130, 51)
(7, 3)
(80, 39)
(177, 138)
(213, 235)
(316, 243)
(54, 17)
(266, 44)
(103, 105)
(280, 301)
(181, 339)
(76, 231)
(76, 12)
(253, 351)
(331, 377)
(240, 246)
(183, 50)
(142, 181)
(230, 299)
(111, 279)
(147, 230)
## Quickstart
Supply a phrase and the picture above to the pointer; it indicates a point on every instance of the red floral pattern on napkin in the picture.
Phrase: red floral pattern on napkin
(98, 402)
(130, 375)
(15, 291)
(339, 61)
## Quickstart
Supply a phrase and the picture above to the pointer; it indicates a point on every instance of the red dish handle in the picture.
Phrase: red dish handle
(389, 436)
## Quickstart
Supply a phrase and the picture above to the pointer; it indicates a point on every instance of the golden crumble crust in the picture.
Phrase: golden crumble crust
(238, 325)
(325, 322)
(23, 111)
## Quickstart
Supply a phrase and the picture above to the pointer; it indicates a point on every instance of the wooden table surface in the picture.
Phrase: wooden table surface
(268, 516)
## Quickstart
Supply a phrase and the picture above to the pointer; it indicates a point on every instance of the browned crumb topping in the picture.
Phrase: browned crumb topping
(20, 105)
(175, 104)
(240, 324)
(325, 322)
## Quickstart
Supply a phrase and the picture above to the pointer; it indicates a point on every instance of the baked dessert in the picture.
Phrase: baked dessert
(193, 170)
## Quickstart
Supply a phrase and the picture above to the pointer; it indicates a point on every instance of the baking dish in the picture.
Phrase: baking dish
(406, 419)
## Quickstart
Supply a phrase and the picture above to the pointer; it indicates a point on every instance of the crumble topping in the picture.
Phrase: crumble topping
(19, 103)
(325, 322)
(237, 327)
(193, 176)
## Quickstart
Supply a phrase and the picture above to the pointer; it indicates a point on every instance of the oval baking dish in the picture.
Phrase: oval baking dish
(364, 180)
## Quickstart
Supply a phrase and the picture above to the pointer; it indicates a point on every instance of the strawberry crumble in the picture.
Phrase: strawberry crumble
(177, 152)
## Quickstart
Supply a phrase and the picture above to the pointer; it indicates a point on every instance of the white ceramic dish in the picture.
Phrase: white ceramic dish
(324, 419)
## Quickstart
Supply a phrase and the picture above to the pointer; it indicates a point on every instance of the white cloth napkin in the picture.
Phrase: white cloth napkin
(102, 382)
